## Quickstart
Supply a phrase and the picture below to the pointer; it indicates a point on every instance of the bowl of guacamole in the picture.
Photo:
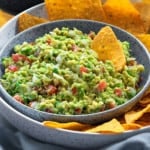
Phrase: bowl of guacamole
(50, 72)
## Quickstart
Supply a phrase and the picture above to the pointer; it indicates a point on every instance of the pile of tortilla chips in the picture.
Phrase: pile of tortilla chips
(135, 119)
(133, 17)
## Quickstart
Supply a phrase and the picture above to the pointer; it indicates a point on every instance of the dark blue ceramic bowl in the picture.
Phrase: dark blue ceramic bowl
(138, 51)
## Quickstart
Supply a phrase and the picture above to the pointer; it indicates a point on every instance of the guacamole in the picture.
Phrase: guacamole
(60, 73)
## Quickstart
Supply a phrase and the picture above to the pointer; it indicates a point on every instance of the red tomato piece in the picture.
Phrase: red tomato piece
(51, 90)
(19, 57)
(102, 86)
(48, 41)
(118, 91)
(18, 98)
(78, 111)
(110, 105)
(74, 90)
(13, 68)
(83, 69)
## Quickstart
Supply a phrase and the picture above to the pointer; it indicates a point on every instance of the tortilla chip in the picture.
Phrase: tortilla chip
(147, 92)
(145, 39)
(112, 126)
(79, 9)
(70, 125)
(123, 14)
(108, 47)
(144, 101)
(144, 9)
(144, 120)
(131, 126)
(26, 21)
(4, 17)
(146, 1)
(132, 116)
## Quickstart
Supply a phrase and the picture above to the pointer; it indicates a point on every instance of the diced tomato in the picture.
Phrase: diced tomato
(118, 91)
(78, 111)
(102, 86)
(13, 68)
(18, 98)
(102, 108)
(49, 110)
(74, 90)
(19, 57)
(83, 69)
(51, 90)
(111, 105)
(74, 48)
(48, 41)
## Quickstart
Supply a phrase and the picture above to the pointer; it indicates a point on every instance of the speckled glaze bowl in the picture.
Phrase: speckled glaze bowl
(138, 51)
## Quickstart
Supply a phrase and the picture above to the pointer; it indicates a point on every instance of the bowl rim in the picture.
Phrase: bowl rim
(141, 92)
(60, 129)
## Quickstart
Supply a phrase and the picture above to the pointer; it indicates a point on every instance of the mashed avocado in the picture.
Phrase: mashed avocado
(60, 73)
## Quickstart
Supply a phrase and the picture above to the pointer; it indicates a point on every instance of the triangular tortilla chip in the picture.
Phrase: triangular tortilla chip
(146, 1)
(68, 125)
(145, 39)
(26, 21)
(132, 116)
(131, 126)
(144, 9)
(79, 9)
(112, 126)
(123, 14)
(4, 17)
(108, 47)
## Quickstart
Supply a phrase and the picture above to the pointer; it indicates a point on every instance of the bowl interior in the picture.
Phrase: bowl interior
(138, 51)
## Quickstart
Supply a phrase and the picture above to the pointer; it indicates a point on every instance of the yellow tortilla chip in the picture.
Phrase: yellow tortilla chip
(144, 101)
(26, 21)
(108, 47)
(147, 92)
(4, 17)
(79, 9)
(123, 14)
(144, 120)
(112, 126)
(132, 116)
(68, 125)
(145, 39)
(131, 126)
(144, 9)
(146, 1)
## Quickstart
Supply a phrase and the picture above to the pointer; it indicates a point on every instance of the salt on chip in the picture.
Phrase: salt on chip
(145, 39)
(144, 9)
(132, 116)
(79, 9)
(112, 126)
(108, 47)
(26, 21)
(123, 14)
(131, 126)
(69, 125)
